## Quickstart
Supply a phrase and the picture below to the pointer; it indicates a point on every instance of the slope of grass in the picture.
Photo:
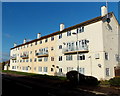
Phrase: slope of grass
(35, 75)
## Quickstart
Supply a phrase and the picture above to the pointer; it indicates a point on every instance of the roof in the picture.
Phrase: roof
(96, 19)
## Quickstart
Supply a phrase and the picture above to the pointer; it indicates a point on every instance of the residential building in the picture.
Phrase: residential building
(91, 47)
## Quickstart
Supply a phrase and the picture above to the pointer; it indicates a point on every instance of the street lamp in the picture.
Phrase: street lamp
(77, 54)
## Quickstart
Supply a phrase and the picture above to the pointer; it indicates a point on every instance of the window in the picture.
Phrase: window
(60, 46)
(23, 60)
(107, 72)
(60, 36)
(69, 57)
(26, 68)
(106, 56)
(40, 69)
(52, 58)
(36, 43)
(31, 44)
(35, 68)
(35, 60)
(60, 58)
(52, 38)
(69, 33)
(45, 59)
(45, 69)
(30, 60)
(27, 60)
(35, 51)
(30, 52)
(39, 59)
(41, 42)
(52, 69)
(82, 70)
(80, 30)
(60, 70)
(81, 57)
(69, 69)
(20, 60)
(117, 57)
(46, 40)
(52, 48)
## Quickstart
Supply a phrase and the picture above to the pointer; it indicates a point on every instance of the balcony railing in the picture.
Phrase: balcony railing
(24, 56)
(74, 50)
(13, 57)
(42, 54)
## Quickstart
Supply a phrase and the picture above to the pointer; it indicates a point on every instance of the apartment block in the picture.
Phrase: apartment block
(91, 47)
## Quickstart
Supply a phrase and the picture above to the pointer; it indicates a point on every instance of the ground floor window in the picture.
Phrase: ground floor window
(69, 69)
(107, 72)
(82, 70)
(40, 69)
(45, 69)
(60, 70)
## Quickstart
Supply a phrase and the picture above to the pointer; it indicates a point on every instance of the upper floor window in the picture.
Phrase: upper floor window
(52, 38)
(81, 57)
(30, 60)
(52, 58)
(35, 59)
(45, 59)
(52, 48)
(46, 40)
(60, 46)
(69, 57)
(60, 36)
(106, 56)
(39, 59)
(60, 58)
(36, 43)
(80, 30)
(69, 33)
(41, 42)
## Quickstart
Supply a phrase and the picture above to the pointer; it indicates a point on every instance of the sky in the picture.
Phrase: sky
(25, 19)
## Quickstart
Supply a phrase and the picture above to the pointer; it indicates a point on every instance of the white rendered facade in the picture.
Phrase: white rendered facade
(98, 50)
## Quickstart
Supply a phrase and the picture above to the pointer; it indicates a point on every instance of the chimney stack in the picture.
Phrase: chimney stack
(38, 35)
(103, 10)
(62, 26)
(15, 44)
(24, 41)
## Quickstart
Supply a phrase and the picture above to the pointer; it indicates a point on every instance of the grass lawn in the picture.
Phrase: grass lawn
(34, 75)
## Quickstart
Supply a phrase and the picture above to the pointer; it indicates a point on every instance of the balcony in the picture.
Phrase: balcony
(74, 50)
(24, 56)
(42, 54)
(13, 57)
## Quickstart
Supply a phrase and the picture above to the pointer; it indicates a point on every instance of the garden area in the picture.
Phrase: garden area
(86, 83)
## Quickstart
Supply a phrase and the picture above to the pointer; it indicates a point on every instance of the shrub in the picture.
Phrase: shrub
(115, 81)
(90, 80)
(72, 76)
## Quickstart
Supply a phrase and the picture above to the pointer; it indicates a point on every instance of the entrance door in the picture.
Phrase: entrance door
(117, 71)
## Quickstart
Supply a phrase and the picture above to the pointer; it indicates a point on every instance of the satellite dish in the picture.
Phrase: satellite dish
(108, 20)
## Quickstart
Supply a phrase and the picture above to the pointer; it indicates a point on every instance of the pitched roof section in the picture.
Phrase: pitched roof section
(67, 29)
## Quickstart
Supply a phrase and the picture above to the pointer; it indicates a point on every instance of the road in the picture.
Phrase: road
(25, 86)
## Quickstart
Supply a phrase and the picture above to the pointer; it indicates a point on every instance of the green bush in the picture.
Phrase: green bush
(115, 81)
(92, 81)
